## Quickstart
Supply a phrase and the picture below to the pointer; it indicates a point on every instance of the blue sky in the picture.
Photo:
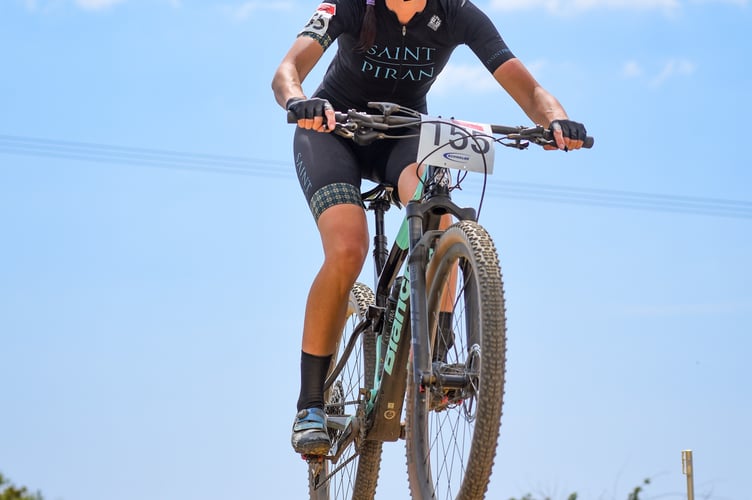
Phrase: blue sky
(155, 250)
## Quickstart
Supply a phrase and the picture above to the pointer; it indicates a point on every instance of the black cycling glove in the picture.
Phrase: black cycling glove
(574, 130)
(307, 108)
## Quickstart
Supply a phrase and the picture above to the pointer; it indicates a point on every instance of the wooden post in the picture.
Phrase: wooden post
(688, 470)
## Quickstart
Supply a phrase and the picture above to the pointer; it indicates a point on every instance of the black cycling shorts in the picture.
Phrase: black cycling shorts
(330, 168)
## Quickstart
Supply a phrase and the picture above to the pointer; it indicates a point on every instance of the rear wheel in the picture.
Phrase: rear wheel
(356, 472)
(453, 427)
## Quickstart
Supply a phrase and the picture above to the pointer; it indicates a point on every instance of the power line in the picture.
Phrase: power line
(237, 165)
(624, 199)
(104, 153)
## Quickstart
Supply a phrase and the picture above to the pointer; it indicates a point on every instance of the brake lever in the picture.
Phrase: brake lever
(366, 137)
(344, 130)
(386, 108)
(518, 142)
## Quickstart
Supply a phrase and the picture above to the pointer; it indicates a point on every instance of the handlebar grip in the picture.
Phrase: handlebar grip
(586, 143)
(338, 117)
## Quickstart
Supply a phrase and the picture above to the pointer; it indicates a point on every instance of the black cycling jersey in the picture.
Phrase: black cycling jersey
(400, 67)
(405, 59)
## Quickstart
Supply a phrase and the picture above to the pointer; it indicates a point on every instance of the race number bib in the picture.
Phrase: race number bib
(319, 22)
(456, 144)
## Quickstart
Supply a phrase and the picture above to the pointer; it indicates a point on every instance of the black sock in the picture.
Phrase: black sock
(312, 376)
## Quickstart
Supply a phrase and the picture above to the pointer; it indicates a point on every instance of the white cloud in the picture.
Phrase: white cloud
(475, 78)
(42, 6)
(632, 69)
(673, 68)
(97, 4)
(520, 4)
(738, 3)
(472, 78)
(89, 5)
(247, 9)
(665, 5)
(569, 6)
(563, 7)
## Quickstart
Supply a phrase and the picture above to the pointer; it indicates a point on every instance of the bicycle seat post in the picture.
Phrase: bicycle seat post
(380, 253)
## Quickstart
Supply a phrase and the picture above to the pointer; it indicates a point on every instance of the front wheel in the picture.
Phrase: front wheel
(453, 424)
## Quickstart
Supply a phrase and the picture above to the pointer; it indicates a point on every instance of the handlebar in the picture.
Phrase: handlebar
(364, 128)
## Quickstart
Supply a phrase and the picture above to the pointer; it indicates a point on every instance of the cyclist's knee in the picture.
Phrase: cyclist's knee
(408, 182)
(344, 235)
(348, 260)
(345, 259)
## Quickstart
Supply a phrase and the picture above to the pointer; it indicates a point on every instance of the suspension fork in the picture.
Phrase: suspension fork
(423, 217)
(416, 263)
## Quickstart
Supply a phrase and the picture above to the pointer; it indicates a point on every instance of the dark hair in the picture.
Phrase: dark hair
(368, 28)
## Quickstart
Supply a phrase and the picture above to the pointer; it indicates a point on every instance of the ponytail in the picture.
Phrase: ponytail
(368, 28)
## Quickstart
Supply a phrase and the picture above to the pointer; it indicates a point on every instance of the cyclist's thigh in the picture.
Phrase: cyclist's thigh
(403, 153)
(327, 170)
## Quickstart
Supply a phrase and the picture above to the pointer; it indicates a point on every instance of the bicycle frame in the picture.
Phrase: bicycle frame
(409, 326)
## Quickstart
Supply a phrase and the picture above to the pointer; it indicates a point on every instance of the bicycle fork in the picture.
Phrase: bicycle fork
(419, 215)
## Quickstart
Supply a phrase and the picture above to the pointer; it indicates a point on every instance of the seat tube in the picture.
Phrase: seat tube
(380, 251)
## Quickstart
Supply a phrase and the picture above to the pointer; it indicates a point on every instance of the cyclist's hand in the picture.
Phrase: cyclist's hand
(314, 114)
(567, 134)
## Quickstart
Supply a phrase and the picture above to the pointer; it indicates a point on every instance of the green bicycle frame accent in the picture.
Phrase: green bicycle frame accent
(403, 235)
(384, 406)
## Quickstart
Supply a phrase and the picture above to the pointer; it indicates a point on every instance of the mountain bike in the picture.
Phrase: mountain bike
(423, 355)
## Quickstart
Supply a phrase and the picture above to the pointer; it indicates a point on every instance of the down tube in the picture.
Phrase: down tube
(391, 382)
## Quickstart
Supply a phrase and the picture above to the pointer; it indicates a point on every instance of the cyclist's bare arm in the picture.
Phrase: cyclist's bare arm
(539, 105)
(288, 79)
(303, 55)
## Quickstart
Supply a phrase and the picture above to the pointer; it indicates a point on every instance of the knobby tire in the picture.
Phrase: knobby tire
(452, 435)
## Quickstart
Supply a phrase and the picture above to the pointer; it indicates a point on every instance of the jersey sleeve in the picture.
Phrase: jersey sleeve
(330, 20)
(478, 32)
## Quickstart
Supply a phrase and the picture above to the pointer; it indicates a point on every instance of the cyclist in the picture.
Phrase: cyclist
(387, 50)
